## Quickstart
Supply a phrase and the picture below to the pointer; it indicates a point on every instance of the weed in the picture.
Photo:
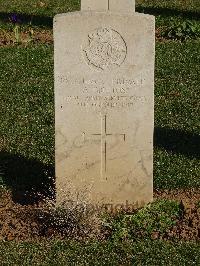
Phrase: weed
(154, 218)
(182, 30)
(17, 34)
(70, 221)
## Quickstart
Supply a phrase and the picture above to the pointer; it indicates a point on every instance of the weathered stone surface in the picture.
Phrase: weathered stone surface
(96, 5)
(122, 5)
(104, 83)
(112, 5)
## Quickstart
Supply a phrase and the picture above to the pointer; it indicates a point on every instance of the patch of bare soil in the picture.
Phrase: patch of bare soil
(36, 222)
(188, 226)
(8, 38)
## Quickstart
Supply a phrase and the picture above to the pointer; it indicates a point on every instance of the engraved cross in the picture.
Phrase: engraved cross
(104, 136)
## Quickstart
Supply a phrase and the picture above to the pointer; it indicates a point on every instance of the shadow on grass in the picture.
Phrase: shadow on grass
(34, 20)
(29, 180)
(168, 12)
(178, 142)
(47, 21)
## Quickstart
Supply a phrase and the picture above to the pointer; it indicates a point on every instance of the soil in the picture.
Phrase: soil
(35, 222)
(188, 226)
(7, 38)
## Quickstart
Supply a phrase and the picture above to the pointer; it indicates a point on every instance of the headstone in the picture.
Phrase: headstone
(105, 5)
(104, 102)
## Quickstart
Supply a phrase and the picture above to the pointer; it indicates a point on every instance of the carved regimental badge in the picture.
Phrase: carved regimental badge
(106, 48)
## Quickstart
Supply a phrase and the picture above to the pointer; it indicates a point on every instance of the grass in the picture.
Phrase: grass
(27, 116)
(178, 5)
(39, 14)
(52, 7)
(155, 218)
(46, 8)
(27, 127)
(27, 99)
(177, 127)
(27, 137)
(95, 253)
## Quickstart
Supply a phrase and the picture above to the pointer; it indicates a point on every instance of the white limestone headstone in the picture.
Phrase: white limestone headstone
(104, 105)
(105, 5)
